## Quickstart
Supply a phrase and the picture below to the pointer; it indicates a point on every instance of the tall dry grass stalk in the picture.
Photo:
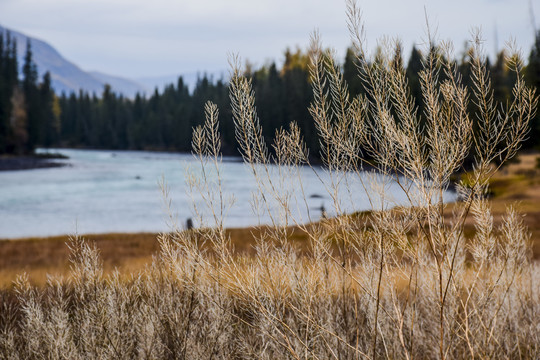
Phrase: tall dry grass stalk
(398, 282)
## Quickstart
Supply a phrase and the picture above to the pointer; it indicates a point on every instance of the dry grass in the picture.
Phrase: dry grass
(41, 256)
(125, 252)
(423, 281)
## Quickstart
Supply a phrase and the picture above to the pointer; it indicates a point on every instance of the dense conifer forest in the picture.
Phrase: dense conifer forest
(32, 115)
(29, 109)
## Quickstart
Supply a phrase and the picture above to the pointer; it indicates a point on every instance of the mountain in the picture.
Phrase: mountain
(65, 75)
(68, 77)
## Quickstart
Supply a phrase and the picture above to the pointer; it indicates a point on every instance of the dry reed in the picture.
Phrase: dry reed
(402, 283)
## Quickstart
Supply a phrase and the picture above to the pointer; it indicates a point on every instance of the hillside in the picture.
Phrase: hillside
(66, 76)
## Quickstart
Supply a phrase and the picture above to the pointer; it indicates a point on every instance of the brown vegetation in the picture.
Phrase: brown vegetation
(516, 183)
(427, 280)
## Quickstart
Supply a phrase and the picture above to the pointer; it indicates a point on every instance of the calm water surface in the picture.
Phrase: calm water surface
(118, 191)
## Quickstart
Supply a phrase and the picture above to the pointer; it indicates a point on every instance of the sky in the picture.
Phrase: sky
(141, 38)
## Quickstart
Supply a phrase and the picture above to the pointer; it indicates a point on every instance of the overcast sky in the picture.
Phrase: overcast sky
(136, 38)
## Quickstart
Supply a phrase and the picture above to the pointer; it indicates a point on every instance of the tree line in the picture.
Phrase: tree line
(29, 109)
(165, 119)
(32, 115)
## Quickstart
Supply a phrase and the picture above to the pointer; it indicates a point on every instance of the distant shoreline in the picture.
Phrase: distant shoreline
(15, 163)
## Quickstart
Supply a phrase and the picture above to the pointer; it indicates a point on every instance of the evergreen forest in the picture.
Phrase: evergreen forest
(32, 115)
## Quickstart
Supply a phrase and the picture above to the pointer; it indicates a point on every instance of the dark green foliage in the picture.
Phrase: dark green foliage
(165, 120)
(32, 100)
(284, 96)
(350, 74)
(161, 121)
(29, 110)
(49, 108)
(414, 66)
(532, 77)
(532, 74)
(31, 115)
(8, 83)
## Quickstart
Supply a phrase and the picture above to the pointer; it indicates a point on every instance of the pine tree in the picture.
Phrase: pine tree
(501, 79)
(8, 84)
(19, 125)
(532, 73)
(5, 96)
(50, 113)
(31, 96)
(532, 76)
(414, 66)
(298, 95)
(350, 74)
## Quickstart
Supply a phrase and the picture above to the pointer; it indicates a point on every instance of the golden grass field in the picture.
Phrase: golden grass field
(518, 183)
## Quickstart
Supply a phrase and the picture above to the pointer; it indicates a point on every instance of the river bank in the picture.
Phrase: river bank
(40, 161)
(126, 252)
(517, 184)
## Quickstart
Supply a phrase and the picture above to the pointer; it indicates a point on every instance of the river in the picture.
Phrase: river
(118, 191)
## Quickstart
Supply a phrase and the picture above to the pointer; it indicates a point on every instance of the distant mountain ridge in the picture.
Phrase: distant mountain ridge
(65, 75)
